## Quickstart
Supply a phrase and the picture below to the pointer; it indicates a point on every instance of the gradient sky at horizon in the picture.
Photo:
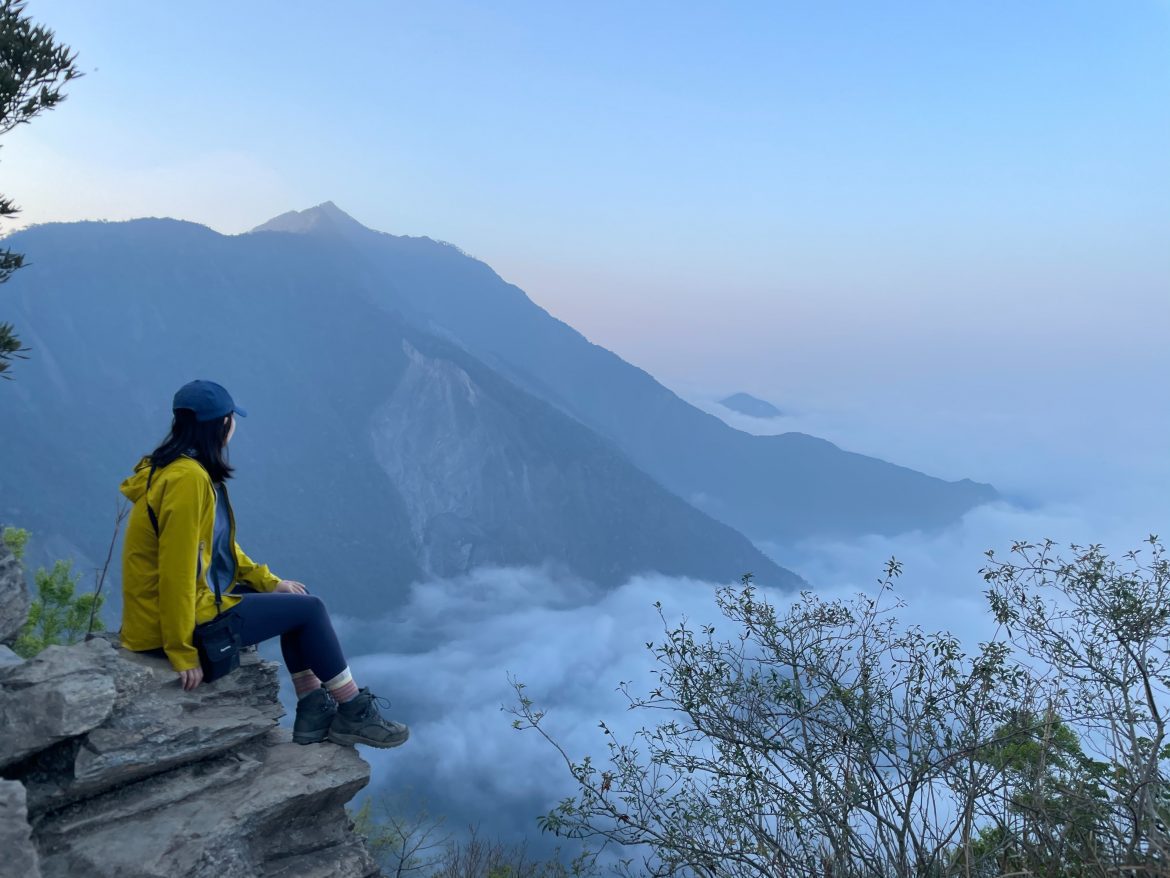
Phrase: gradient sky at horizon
(835, 205)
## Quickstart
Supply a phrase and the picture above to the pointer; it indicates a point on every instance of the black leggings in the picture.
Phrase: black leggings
(307, 639)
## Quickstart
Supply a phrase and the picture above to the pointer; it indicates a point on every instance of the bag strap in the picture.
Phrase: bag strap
(146, 496)
(154, 524)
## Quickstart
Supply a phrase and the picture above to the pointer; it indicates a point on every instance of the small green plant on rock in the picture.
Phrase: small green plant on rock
(16, 539)
(58, 615)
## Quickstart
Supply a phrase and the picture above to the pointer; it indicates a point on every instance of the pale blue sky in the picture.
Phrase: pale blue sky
(830, 204)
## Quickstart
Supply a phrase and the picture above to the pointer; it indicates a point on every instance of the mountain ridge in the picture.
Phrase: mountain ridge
(320, 465)
(771, 488)
(131, 281)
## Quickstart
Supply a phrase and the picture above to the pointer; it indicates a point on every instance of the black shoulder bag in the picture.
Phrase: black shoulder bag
(217, 641)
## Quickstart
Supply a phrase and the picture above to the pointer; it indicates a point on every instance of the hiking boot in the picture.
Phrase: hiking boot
(359, 722)
(314, 714)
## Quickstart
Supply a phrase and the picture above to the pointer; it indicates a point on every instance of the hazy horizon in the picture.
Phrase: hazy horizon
(820, 203)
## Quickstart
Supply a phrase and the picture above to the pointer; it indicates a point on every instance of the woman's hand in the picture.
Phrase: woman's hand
(191, 678)
(291, 586)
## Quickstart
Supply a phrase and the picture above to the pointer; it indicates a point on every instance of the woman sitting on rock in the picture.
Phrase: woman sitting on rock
(170, 566)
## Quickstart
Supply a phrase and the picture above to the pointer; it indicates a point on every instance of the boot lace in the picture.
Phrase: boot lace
(372, 704)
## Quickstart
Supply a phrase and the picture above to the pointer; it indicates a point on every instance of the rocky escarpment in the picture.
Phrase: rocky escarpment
(107, 768)
(14, 603)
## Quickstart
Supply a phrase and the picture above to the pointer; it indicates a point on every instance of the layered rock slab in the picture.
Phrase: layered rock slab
(153, 725)
(122, 773)
(61, 693)
(271, 809)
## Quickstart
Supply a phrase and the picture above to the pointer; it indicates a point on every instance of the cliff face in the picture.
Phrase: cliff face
(13, 603)
(107, 768)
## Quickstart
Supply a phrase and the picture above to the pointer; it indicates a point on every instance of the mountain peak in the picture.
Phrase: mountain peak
(325, 218)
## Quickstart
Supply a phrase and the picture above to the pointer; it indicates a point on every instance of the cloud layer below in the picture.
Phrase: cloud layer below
(446, 656)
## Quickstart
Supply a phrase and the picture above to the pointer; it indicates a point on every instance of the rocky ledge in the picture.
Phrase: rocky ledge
(107, 768)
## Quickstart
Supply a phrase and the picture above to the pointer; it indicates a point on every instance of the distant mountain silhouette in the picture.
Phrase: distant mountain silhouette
(746, 404)
(376, 453)
(780, 488)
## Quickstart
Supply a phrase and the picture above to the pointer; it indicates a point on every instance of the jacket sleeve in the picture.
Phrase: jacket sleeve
(256, 575)
(184, 503)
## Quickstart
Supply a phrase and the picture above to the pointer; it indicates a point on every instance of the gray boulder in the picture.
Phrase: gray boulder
(62, 692)
(14, 597)
(16, 847)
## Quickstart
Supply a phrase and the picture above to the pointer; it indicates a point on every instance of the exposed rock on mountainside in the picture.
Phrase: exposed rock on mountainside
(110, 769)
(490, 475)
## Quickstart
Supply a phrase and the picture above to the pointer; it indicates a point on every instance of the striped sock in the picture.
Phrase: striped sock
(305, 682)
(342, 687)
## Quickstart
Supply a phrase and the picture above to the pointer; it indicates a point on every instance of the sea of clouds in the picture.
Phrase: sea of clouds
(446, 656)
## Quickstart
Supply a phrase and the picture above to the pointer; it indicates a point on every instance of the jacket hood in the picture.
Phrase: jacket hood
(135, 486)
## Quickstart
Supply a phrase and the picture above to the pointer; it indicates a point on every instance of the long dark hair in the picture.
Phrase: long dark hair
(202, 440)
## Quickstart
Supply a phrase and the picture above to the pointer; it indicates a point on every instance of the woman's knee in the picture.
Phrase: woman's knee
(314, 605)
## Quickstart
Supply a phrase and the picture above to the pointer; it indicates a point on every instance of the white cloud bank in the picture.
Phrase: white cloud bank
(445, 657)
(445, 662)
(1097, 473)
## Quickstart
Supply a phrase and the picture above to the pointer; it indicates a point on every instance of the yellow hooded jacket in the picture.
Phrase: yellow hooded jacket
(164, 579)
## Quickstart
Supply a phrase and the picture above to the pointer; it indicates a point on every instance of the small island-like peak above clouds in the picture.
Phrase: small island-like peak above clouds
(746, 404)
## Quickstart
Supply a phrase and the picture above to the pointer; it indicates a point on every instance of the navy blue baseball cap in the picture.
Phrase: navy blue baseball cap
(207, 399)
